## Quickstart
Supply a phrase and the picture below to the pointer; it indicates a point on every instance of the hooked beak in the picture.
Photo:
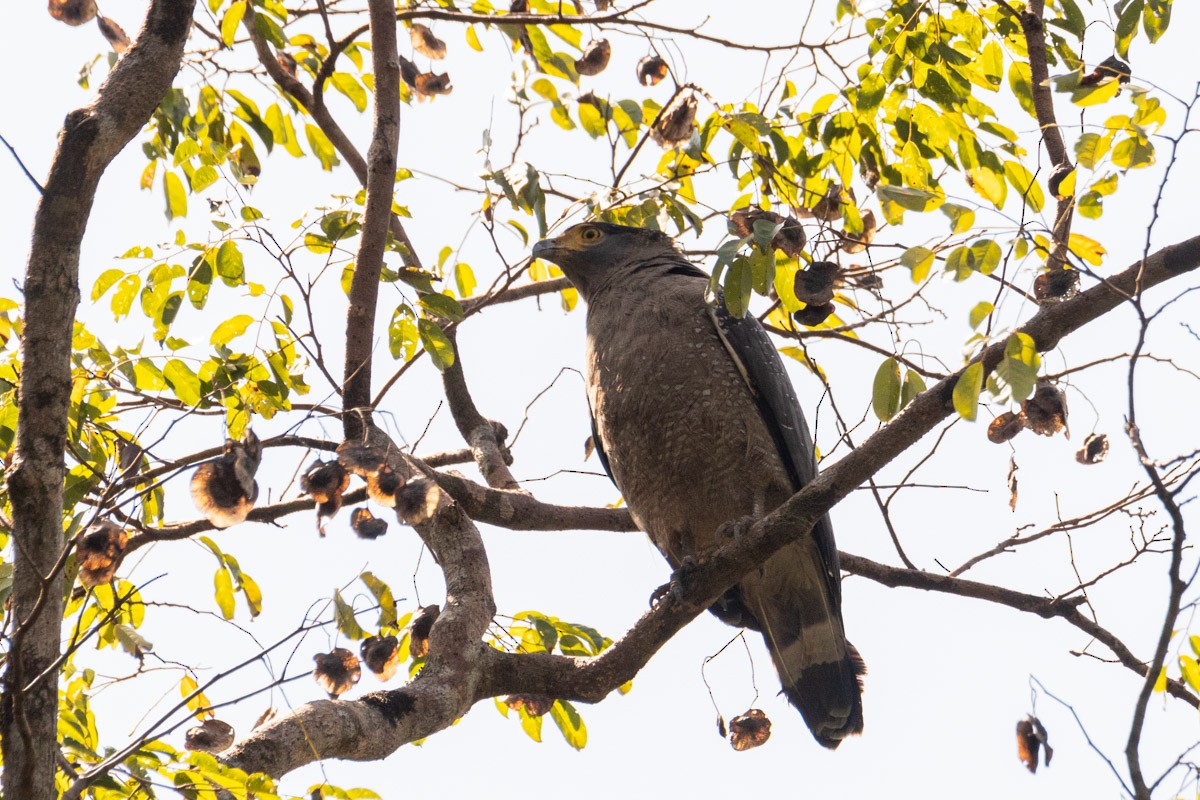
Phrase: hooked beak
(545, 249)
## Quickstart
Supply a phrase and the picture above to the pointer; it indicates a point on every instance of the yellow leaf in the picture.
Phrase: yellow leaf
(1089, 250)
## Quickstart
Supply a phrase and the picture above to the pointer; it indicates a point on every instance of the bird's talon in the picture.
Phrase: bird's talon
(735, 529)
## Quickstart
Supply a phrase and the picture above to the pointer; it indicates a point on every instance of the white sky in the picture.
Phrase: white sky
(948, 678)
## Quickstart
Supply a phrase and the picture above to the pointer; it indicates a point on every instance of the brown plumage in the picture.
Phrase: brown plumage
(699, 426)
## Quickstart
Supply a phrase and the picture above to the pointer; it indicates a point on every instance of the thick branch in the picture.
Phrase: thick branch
(381, 179)
(91, 137)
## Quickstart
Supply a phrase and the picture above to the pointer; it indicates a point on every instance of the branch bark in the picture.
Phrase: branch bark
(90, 138)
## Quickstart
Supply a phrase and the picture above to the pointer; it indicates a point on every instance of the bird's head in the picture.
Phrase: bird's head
(591, 252)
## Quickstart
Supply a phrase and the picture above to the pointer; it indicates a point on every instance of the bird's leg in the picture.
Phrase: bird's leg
(679, 578)
(735, 529)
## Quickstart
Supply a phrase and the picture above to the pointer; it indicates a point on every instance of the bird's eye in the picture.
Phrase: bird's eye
(590, 234)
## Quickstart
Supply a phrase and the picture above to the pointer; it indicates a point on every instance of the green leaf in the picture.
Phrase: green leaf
(231, 20)
(885, 394)
(347, 85)
(739, 284)
(199, 282)
(223, 580)
(1191, 672)
(1127, 26)
(384, 597)
(320, 145)
(230, 266)
(347, 622)
(464, 279)
(175, 194)
(184, 383)
(1021, 82)
(1017, 372)
(966, 392)
(1156, 18)
(105, 282)
(122, 299)
(1026, 185)
(914, 384)
(980, 312)
(442, 306)
(435, 343)
(570, 723)
(919, 260)
(230, 329)
(989, 185)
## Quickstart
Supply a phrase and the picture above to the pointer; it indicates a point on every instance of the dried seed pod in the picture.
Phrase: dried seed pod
(286, 62)
(1106, 70)
(869, 280)
(595, 57)
(790, 237)
(829, 207)
(419, 629)
(857, 242)
(1055, 285)
(811, 316)
(815, 284)
(1012, 483)
(1005, 427)
(425, 43)
(1046, 411)
(337, 671)
(382, 486)
(722, 731)
(99, 550)
(535, 705)
(264, 718)
(366, 525)
(72, 12)
(210, 736)
(381, 654)
(417, 501)
(1031, 736)
(1094, 450)
(675, 125)
(223, 489)
(131, 458)
(325, 482)
(114, 34)
(651, 70)
(749, 730)
(408, 72)
(429, 84)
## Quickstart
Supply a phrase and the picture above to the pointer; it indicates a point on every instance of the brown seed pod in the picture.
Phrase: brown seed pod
(675, 125)
(366, 525)
(381, 654)
(1012, 483)
(829, 207)
(382, 486)
(264, 717)
(869, 280)
(429, 84)
(425, 43)
(113, 34)
(816, 283)
(210, 736)
(325, 482)
(535, 705)
(337, 671)
(286, 62)
(790, 237)
(1094, 450)
(419, 629)
(99, 550)
(812, 316)
(1031, 736)
(651, 70)
(1046, 411)
(417, 501)
(857, 242)
(1055, 285)
(1005, 427)
(749, 730)
(223, 489)
(595, 57)
(72, 12)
